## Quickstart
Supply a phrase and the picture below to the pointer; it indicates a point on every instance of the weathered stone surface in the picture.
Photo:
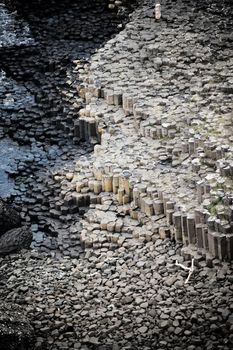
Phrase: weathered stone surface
(9, 217)
(15, 240)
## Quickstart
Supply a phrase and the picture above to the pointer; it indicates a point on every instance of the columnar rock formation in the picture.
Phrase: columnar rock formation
(159, 102)
(155, 102)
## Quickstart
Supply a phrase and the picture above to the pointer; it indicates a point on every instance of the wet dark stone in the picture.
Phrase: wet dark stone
(16, 333)
(9, 217)
(15, 240)
(39, 79)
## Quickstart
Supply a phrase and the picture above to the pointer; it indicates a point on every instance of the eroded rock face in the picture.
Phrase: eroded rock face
(9, 217)
(16, 333)
(15, 240)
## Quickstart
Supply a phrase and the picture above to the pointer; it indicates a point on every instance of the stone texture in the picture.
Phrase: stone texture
(15, 240)
(109, 225)
(9, 217)
(15, 329)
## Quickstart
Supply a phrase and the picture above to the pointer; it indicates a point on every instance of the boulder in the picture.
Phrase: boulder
(16, 333)
(9, 217)
(14, 240)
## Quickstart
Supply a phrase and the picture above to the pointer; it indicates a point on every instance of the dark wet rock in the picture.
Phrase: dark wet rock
(40, 101)
(16, 333)
(9, 217)
(15, 240)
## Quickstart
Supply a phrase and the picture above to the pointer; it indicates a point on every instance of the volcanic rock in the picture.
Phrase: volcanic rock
(15, 240)
(9, 217)
(15, 330)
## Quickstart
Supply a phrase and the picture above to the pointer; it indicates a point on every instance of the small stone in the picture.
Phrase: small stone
(142, 329)
(170, 281)
(144, 305)
(164, 324)
(178, 330)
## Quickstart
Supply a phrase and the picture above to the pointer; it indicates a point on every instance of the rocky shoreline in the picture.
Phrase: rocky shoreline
(111, 227)
(40, 105)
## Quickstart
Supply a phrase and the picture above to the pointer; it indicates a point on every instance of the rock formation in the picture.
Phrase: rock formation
(16, 333)
(155, 103)
(14, 240)
(9, 217)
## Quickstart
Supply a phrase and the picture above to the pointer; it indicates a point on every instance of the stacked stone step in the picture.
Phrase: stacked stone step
(225, 167)
(89, 126)
(148, 125)
(191, 136)
(189, 229)
(145, 122)
(146, 201)
(102, 227)
(191, 232)
(218, 224)
(86, 128)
